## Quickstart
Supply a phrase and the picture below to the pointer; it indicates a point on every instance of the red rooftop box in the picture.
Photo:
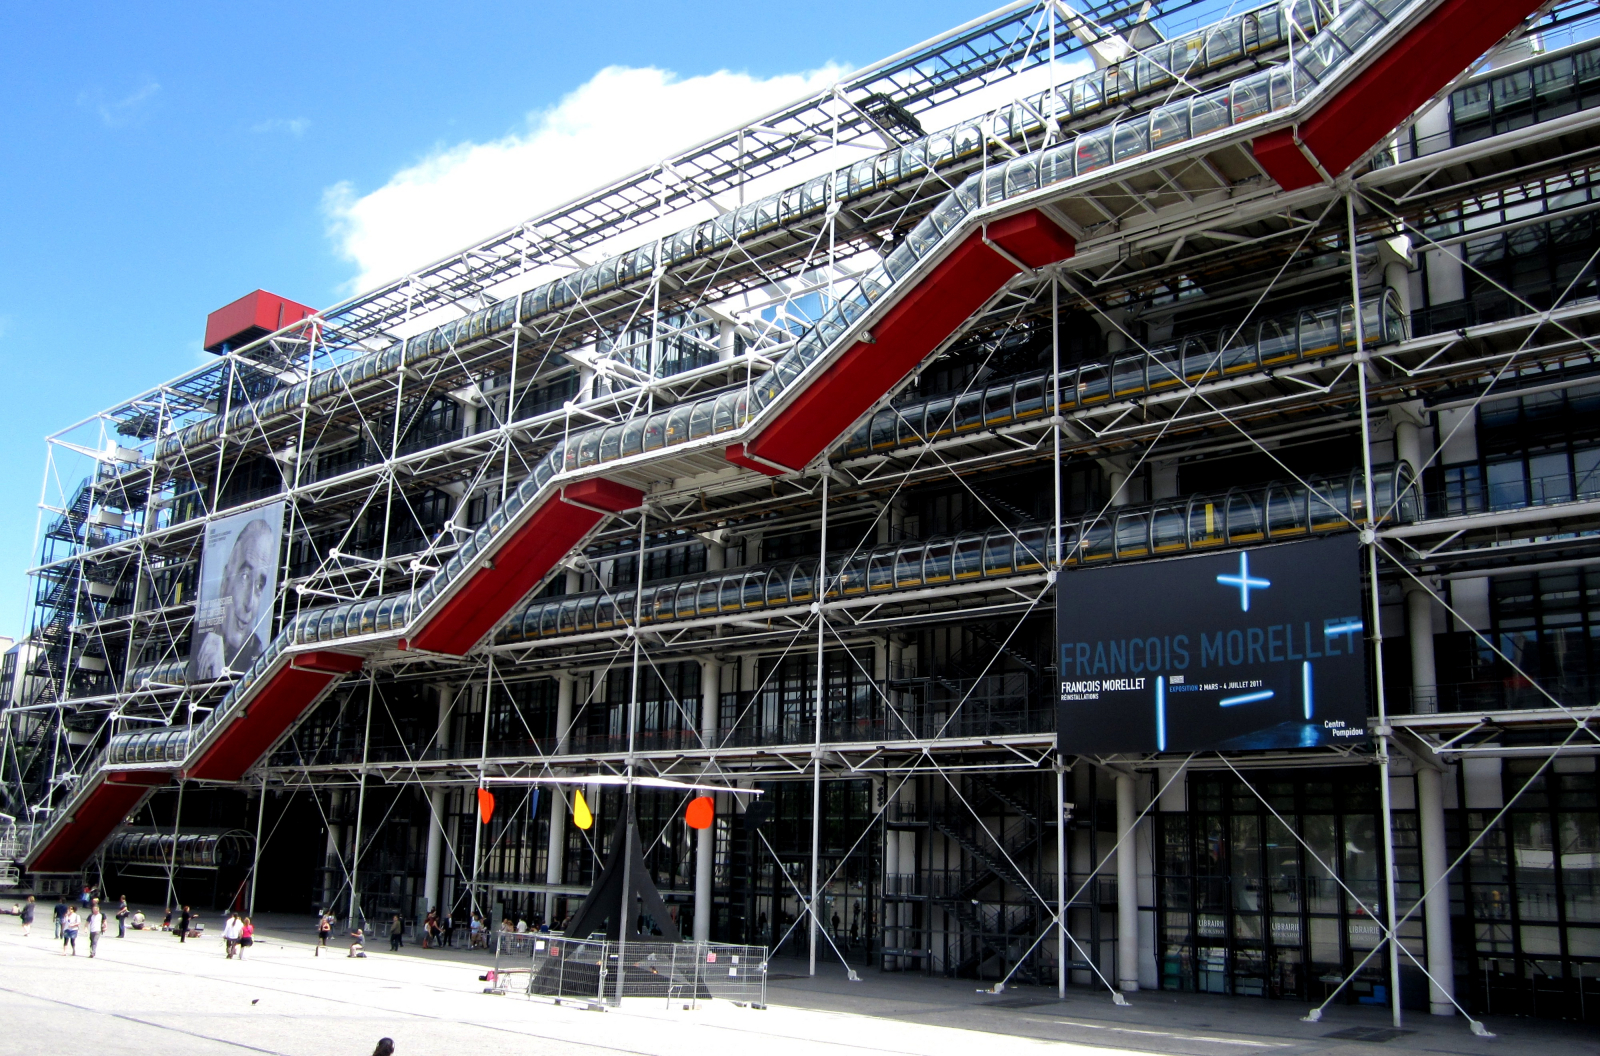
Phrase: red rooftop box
(254, 315)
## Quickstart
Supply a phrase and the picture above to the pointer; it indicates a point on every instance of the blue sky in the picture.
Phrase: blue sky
(164, 159)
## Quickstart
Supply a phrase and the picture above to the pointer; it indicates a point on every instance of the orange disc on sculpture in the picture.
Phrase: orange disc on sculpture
(702, 809)
(485, 804)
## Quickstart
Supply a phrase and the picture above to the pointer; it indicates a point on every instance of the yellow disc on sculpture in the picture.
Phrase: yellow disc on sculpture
(581, 816)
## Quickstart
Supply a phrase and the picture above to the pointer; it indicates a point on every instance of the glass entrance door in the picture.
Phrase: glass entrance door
(1246, 908)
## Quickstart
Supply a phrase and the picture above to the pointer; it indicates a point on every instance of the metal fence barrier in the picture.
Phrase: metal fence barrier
(585, 970)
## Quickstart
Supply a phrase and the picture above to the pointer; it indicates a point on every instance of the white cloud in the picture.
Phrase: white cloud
(295, 126)
(621, 120)
(120, 112)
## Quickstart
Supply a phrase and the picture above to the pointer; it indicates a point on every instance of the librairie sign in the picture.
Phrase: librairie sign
(1244, 649)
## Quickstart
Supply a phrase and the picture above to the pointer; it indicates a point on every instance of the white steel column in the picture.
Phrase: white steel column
(436, 809)
(566, 691)
(1395, 255)
(1370, 542)
(177, 819)
(361, 802)
(555, 865)
(1127, 888)
(255, 864)
(1430, 810)
(820, 590)
(706, 839)
(1061, 880)
(891, 879)
(333, 854)
(477, 810)
(1436, 906)
(1419, 630)
(435, 867)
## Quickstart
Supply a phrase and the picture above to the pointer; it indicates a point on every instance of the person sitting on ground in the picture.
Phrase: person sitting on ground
(166, 921)
(137, 922)
(357, 943)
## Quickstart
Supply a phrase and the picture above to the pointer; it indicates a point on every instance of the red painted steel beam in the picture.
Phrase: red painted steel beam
(95, 818)
(1409, 73)
(277, 703)
(928, 314)
(519, 564)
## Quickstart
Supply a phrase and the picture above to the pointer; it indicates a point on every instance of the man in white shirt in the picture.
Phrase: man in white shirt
(97, 923)
(232, 932)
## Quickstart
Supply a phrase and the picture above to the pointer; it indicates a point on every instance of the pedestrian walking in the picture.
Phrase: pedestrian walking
(247, 937)
(83, 899)
(448, 925)
(60, 913)
(97, 924)
(324, 929)
(123, 914)
(69, 932)
(232, 932)
(183, 924)
(27, 916)
(397, 930)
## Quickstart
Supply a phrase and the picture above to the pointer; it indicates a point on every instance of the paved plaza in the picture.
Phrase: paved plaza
(149, 994)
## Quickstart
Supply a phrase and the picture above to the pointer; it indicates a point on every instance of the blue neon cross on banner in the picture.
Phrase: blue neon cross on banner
(1244, 581)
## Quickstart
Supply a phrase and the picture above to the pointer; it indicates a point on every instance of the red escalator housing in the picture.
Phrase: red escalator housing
(116, 795)
(1404, 77)
(518, 564)
(929, 313)
(275, 706)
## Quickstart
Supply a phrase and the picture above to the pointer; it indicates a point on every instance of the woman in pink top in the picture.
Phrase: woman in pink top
(247, 937)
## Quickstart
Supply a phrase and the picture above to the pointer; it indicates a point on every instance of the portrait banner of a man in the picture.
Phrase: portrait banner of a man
(238, 582)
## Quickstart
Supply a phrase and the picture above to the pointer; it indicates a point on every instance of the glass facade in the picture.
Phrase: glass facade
(1245, 908)
(1527, 898)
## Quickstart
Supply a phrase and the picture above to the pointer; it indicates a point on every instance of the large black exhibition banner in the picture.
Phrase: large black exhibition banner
(1230, 651)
